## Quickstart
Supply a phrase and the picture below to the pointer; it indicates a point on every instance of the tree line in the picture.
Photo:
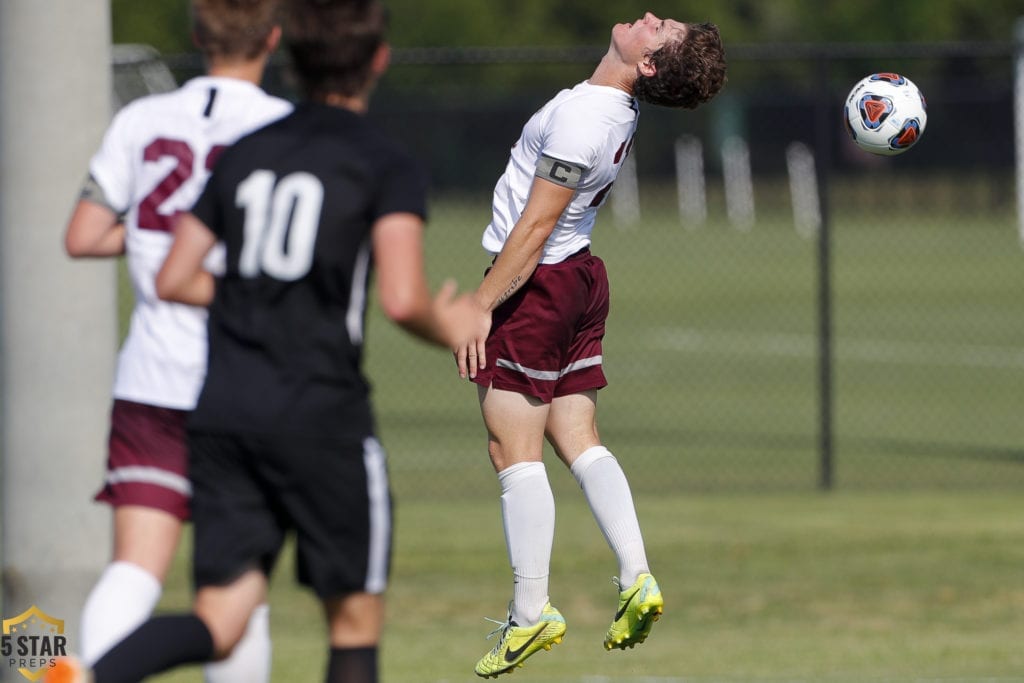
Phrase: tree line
(163, 24)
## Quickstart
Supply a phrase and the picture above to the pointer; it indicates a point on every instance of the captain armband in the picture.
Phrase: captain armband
(93, 191)
(560, 172)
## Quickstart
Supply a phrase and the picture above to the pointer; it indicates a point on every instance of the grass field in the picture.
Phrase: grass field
(911, 570)
(850, 588)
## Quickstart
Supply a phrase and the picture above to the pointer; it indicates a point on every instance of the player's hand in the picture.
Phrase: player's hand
(471, 354)
(462, 319)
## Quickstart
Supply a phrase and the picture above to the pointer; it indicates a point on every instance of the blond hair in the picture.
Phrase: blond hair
(228, 29)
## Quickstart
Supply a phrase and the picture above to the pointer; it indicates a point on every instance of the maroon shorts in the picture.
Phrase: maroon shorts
(545, 341)
(147, 464)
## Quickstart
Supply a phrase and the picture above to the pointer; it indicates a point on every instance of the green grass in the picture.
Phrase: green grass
(796, 587)
(910, 571)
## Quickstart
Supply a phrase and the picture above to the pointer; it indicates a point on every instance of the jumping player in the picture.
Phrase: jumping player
(537, 356)
(153, 163)
(282, 438)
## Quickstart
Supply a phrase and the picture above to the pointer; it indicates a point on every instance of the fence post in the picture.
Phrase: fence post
(1018, 107)
(803, 189)
(739, 185)
(823, 142)
(690, 184)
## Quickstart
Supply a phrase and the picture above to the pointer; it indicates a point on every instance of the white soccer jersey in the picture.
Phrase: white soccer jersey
(153, 163)
(578, 139)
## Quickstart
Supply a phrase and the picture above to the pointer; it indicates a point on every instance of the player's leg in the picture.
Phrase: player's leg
(572, 431)
(215, 626)
(227, 610)
(129, 588)
(571, 426)
(147, 538)
(531, 347)
(250, 660)
(339, 497)
(515, 425)
(355, 623)
(237, 533)
(515, 428)
(148, 488)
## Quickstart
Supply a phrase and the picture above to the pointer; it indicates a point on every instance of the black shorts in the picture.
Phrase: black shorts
(250, 491)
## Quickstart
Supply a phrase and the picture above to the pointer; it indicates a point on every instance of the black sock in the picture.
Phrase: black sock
(350, 665)
(159, 644)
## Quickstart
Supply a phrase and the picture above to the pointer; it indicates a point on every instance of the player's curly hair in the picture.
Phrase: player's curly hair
(689, 72)
(233, 28)
(332, 44)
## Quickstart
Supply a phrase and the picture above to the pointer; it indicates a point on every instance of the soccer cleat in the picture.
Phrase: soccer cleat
(67, 670)
(640, 606)
(516, 643)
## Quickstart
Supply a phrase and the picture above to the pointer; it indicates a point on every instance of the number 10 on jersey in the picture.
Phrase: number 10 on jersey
(281, 222)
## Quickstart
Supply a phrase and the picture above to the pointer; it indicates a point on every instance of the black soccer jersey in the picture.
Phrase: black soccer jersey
(294, 204)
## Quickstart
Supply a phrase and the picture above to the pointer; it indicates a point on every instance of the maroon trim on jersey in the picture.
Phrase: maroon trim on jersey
(545, 341)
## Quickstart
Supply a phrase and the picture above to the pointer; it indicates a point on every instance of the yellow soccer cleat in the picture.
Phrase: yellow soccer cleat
(640, 606)
(516, 643)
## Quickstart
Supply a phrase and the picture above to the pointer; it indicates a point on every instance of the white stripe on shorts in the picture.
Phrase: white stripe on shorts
(138, 474)
(550, 375)
(380, 515)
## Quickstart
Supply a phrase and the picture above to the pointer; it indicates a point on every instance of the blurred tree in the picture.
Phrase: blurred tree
(462, 23)
(163, 24)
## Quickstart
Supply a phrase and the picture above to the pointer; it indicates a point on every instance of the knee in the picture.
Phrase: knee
(225, 629)
(355, 620)
(503, 457)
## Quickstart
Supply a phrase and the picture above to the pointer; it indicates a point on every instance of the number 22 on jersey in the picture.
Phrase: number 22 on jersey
(150, 216)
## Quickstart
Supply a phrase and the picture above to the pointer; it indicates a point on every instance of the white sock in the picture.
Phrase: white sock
(250, 660)
(607, 491)
(121, 600)
(528, 510)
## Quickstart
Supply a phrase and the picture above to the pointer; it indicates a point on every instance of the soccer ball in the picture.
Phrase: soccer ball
(885, 114)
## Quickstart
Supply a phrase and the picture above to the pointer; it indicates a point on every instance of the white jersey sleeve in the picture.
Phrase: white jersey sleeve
(152, 165)
(111, 166)
(579, 139)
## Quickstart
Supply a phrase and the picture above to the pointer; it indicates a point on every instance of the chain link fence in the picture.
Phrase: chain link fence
(758, 340)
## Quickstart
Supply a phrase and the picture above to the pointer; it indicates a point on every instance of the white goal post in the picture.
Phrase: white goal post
(58, 318)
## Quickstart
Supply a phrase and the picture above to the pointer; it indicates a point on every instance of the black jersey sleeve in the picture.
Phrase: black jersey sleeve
(403, 188)
(208, 207)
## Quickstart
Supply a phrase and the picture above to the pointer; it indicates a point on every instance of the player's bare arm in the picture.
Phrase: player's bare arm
(445, 320)
(525, 244)
(182, 277)
(94, 230)
(516, 262)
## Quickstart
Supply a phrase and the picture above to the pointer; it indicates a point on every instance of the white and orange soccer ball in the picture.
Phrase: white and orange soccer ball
(885, 113)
